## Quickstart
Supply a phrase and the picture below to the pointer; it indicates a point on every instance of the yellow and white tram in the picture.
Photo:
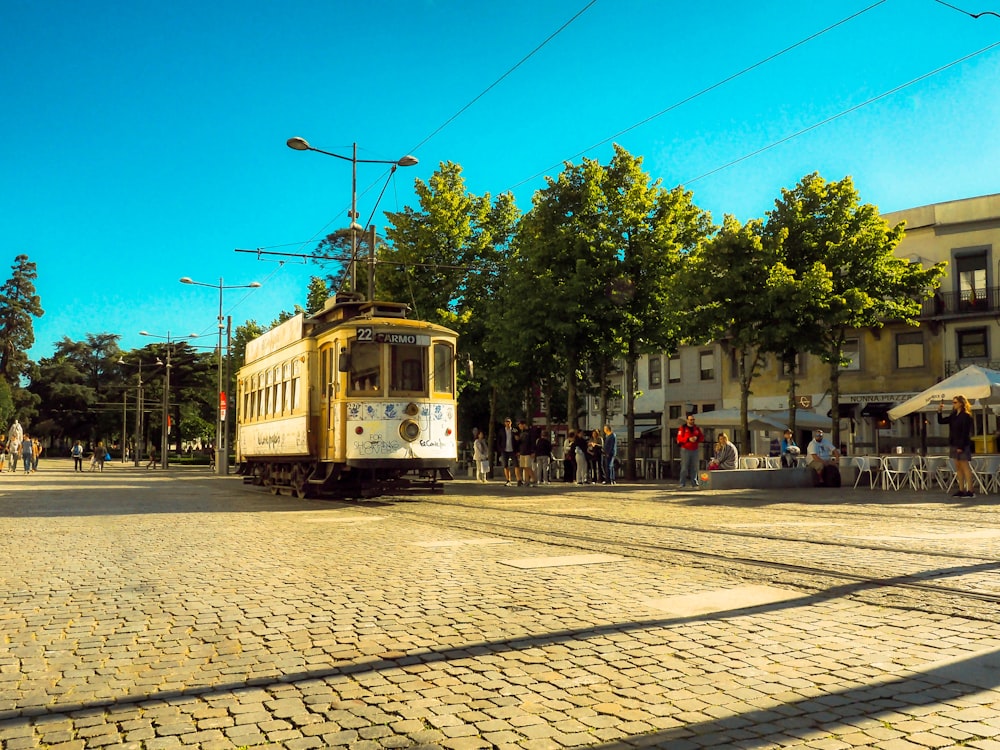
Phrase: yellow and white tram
(355, 401)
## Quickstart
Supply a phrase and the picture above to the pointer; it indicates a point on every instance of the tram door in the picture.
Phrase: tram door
(328, 405)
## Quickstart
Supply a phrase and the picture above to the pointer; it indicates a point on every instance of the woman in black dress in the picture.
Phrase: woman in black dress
(960, 426)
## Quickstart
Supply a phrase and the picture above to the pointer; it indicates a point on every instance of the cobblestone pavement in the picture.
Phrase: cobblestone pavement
(152, 609)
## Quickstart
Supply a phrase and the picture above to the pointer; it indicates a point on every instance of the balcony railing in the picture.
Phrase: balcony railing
(966, 302)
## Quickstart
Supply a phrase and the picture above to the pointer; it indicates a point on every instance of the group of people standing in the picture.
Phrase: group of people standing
(526, 455)
(19, 449)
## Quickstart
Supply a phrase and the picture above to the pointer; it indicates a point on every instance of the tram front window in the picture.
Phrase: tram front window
(409, 369)
(365, 370)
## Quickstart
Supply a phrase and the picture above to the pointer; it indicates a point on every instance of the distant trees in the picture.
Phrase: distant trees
(607, 265)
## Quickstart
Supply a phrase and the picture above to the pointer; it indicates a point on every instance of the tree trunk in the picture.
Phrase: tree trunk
(572, 418)
(630, 361)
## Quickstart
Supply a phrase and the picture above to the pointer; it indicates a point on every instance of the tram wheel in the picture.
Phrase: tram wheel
(298, 481)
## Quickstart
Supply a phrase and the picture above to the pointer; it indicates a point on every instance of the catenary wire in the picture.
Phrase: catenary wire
(702, 92)
(842, 113)
(517, 65)
(968, 13)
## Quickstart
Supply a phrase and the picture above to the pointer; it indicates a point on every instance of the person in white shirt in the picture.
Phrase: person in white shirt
(821, 452)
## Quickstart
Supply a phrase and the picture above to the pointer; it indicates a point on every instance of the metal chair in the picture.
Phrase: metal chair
(940, 471)
(772, 462)
(898, 471)
(749, 462)
(986, 472)
(869, 465)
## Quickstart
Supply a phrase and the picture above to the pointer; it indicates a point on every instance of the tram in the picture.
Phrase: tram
(355, 401)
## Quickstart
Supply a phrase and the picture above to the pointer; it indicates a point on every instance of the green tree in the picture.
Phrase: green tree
(243, 334)
(651, 232)
(433, 247)
(823, 228)
(317, 295)
(80, 389)
(556, 316)
(19, 304)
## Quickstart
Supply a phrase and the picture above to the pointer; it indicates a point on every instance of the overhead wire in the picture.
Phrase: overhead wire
(441, 127)
(703, 91)
(517, 65)
(966, 12)
(847, 111)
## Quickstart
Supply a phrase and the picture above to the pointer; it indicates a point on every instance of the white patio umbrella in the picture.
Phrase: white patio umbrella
(756, 420)
(804, 420)
(974, 382)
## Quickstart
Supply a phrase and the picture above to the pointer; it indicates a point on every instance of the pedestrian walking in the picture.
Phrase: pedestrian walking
(689, 438)
(481, 455)
(580, 447)
(100, 454)
(27, 454)
(77, 454)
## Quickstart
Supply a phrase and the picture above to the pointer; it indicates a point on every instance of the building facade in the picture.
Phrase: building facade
(959, 326)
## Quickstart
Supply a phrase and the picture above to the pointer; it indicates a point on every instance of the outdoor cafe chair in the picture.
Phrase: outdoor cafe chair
(898, 471)
(985, 470)
(939, 470)
(869, 465)
(749, 462)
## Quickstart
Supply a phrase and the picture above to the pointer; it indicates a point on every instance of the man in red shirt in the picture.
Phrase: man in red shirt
(689, 438)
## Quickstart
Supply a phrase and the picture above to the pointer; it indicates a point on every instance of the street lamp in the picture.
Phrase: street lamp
(301, 144)
(222, 423)
(165, 439)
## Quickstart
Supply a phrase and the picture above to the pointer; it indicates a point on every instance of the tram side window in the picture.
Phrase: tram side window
(443, 369)
(365, 368)
(286, 388)
(409, 368)
(296, 377)
(268, 393)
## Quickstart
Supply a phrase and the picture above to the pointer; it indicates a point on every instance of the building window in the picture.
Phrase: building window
(909, 350)
(707, 360)
(799, 363)
(655, 371)
(675, 411)
(673, 369)
(852, 356)
(973, 344)
(970, 275)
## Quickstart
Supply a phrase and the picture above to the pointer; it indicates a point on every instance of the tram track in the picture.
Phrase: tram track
(882, 574)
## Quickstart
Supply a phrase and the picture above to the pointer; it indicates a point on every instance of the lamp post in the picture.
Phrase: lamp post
(140, 405)
(222, 423)
(165, 439)
(301, 144)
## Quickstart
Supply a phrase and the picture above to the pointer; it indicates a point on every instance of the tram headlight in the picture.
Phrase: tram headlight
(409, 430)
(412, 409)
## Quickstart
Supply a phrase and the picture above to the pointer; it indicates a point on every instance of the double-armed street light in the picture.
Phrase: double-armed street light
(165, 440)
(222, 423)
(301, 144)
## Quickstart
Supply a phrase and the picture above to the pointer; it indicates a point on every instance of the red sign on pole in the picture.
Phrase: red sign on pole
(222, 406)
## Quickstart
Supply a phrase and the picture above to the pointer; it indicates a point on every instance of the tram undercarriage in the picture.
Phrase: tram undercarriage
(312, 479)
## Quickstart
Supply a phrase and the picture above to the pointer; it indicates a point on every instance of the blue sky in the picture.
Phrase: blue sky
(142, 142)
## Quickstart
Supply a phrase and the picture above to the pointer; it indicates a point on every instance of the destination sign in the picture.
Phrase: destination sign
(366, 333)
